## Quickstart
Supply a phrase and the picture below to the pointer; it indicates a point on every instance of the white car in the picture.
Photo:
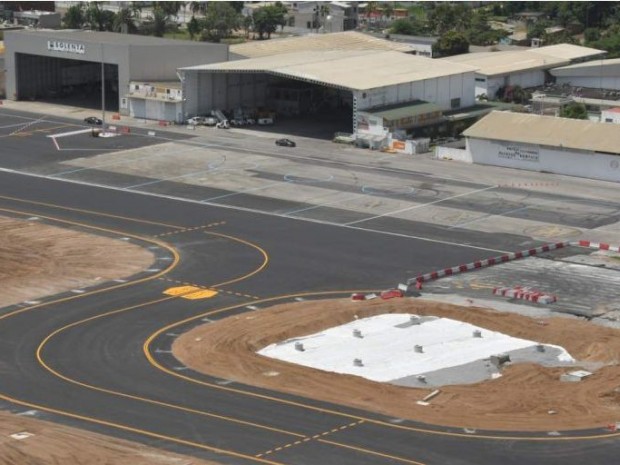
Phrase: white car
(194, 121)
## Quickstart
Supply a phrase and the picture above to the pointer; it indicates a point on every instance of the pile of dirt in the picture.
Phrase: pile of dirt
(38, 260)
(37, 442)
(527, 397)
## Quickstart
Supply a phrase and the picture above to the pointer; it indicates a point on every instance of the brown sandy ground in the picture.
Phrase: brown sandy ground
(38, 260)
(521, 400)
(52, 444)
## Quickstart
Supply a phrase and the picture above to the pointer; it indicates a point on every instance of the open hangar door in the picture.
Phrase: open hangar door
(65, 81)
(298, 107)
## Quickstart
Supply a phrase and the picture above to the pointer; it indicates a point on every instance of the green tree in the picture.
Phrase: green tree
(247, 23)
(194, 27)
(125, 21)
(563, 37)
(220, 20)
(574, 110)
(268, 18)
(403, 26)
(74, 17)
(610, 42)
(591, 34)
(98, 18)
(388, 11)
(448, 17)
(170, 8)
(160, 21)
(198, 7)
(451, 43)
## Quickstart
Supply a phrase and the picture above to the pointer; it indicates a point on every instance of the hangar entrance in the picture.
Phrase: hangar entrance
(65, 81)
(307, 109)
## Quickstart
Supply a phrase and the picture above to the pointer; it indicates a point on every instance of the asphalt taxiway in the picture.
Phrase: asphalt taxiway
(100, 360)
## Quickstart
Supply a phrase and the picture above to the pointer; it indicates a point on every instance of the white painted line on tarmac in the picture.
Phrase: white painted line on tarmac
(255, 211)
(420, 205)
(124, 162)
(490, 215)
(78, 291)
(326, 204)
(245, 191)
(69, 133)
(251, 307)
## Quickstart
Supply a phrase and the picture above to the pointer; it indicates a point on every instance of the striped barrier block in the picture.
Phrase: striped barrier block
(485, 263)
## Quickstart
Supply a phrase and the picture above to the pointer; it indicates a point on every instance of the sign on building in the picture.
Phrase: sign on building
(519, 152)
(65, 47)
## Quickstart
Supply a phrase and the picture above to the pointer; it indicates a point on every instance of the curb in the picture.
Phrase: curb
(418, 280)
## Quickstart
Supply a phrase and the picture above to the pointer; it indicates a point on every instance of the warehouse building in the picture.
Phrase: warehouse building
(328, 82)
(524, 68)
(598, 74)
(66, 66)
(545, 143)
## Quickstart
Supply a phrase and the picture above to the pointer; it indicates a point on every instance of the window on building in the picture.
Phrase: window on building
(609, 120)
(481, 80)
(455, 103)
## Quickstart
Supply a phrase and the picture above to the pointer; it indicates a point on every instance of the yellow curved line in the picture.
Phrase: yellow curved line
(147, 353)
(90, 212)
(136, 430)
(371, 452)
(164, 245)
(42, 362)
(242, 241)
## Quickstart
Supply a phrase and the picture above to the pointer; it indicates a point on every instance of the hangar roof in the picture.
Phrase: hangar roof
(348, 40)
(548, 130)
(497, 63)
(350, 70)
(597, 68)
(98, 37)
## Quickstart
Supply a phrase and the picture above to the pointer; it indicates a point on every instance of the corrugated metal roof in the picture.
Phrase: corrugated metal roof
(352, 70)
(596, 68)
(419, 108)
(112, 38)
(548, 130)
(348, 40)
(495, 63)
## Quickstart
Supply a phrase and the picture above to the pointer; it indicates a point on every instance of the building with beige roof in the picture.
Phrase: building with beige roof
(597, 74)
(349, 40)
(546, 143)
(298, 83)
(526, 68)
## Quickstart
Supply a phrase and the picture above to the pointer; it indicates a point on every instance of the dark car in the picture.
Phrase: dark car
(286, 143)
(93, 120)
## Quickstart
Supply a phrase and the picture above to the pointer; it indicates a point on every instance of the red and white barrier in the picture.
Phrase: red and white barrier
(484, 263)
(418, 280)
(596, 245)
(525, 293)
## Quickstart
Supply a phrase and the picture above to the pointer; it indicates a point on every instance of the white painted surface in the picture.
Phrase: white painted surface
(608, 116)
(451, 153)
(549, 159)
(387, 351)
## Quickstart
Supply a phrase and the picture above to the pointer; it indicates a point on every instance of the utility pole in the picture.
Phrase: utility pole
(102, 92)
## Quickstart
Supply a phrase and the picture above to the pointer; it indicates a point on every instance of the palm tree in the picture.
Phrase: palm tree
(74, 17)
(124, 21)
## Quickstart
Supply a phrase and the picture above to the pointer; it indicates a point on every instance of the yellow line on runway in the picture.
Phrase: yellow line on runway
(136, 430)
(242, 241)
(372, 452)
(42, 362)
(161, 244)
(152, 361)
(90, 212)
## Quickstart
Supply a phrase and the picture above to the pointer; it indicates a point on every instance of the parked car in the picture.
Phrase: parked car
(223, 124)
(195, 120)
(93, 120)
(392, 293)
(210, 121)
(286, 143)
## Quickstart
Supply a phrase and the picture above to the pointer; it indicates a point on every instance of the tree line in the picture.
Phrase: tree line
(210, 21)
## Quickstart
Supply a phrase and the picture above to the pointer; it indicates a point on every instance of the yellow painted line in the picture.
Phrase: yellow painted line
(172, 250)
(90, 212)
(202, 294)
(136, 430)
(154, 363)
(371, 452)
(175, 291)
(262, 266)
(59, 375)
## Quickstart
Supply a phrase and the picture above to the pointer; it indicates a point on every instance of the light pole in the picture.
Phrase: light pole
(102, 92)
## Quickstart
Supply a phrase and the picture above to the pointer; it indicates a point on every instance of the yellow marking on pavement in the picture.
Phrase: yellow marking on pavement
(304, 440)
(372, 452)
(163, 245)
(221, 291)
(147, 353)
(91, 212)
(184, 230)
(190, 292)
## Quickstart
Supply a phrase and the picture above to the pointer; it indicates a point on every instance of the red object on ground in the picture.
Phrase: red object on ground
(391, 293)
(358, 296)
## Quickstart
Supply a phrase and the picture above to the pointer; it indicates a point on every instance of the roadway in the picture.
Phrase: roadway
(100, 360)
